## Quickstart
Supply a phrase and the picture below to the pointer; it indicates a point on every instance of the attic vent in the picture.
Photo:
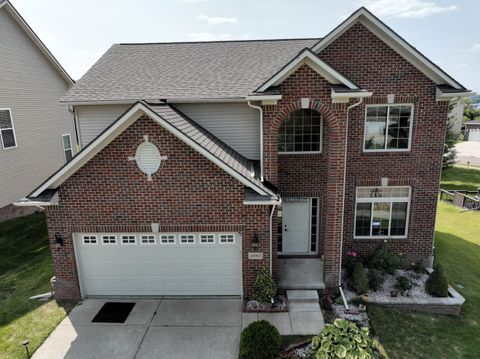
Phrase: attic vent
(148, 158)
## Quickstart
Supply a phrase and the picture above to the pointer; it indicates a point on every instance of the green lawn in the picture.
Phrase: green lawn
(25, 270)
(416, 335)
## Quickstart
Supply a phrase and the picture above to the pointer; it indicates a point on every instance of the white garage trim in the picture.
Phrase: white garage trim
(210, 264)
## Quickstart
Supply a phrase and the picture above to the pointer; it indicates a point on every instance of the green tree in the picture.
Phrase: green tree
(449, 152)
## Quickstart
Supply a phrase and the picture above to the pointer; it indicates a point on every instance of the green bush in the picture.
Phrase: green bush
(344, 339)
(403, 284)
(375, 279)
(359, 281)
(384, 260)
(419, 267)
(260, 340)
(264, 286)
(437, 284)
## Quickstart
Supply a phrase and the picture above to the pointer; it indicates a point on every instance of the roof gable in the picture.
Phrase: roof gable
(392, 39)
(180, 126)
(36, 40)
(308, 57)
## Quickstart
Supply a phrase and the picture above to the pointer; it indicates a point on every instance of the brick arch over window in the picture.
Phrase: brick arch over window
(327, 115)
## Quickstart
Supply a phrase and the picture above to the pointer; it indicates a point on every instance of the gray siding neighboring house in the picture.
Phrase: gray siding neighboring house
(234, 123)
(31, 82)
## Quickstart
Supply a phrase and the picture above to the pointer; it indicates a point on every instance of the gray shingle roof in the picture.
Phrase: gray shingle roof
(199, 70)
(216, 147)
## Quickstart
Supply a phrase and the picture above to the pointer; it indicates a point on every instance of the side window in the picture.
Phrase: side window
(388, 128)
(7, 132)
(67, 147)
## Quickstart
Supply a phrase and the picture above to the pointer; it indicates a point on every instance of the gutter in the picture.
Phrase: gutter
(271, 238)
(261, 136)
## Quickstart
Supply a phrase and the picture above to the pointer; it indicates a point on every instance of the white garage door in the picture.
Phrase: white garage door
(474, 135)
(159, 264)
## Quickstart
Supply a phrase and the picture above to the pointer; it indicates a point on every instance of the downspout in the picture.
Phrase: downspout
(343, 201)
(271, 238)
(71, 109)
(261, 136)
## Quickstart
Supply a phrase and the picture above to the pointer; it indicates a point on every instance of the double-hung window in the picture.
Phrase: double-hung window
(67, 147)
(388, 128)
(7, 132)
(382, 212)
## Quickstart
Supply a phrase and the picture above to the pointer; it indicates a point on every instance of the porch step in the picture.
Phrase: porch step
(302, 296)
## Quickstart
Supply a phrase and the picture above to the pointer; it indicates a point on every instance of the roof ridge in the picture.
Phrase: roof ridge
(217, 41)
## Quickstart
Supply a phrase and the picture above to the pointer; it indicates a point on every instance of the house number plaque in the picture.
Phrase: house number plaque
(255, 255)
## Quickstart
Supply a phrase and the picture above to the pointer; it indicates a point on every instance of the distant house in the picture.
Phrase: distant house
(456, 117)
(37, 134)
(472, 130)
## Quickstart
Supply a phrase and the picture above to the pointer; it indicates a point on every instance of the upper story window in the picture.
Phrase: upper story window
(301, 132)
(382, 212)
(67, 147)
(7, 132)
(388, 128)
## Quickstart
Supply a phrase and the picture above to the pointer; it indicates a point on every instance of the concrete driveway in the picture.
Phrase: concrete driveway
(468, 152)
(167, 328)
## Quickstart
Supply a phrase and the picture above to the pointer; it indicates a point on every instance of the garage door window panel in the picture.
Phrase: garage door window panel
(109, 239)
(227, 238)
(167, 239)
(187, 239)
(129, 239)
(89, 240)
(148, 239)
(207, 238)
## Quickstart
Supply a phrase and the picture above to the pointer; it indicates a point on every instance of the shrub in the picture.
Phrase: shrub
(344, 339)
(437, 284)
(264, 286)
(260, 340)
(384, 260)
(419, 267)
(359, 281)
(350, 260)
(375, 279)
(403, 284)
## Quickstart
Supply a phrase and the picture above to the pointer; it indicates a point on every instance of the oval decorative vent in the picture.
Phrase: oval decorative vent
(148, 158)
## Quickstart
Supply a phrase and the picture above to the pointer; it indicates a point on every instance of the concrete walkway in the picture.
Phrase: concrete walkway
(300, 273)
(201, 328)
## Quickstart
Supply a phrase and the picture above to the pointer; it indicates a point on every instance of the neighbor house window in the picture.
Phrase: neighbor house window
(388, 128)
(382, 211)
(7, 132)
(67, 147)
(301, 132)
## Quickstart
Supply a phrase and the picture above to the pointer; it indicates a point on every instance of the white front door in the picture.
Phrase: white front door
(295, 226)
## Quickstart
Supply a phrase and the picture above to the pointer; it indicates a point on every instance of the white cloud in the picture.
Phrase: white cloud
(406, 8)
(208, 36)
(213, 20)
(474, 48)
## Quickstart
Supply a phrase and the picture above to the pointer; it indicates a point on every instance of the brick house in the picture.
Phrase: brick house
(203, 162)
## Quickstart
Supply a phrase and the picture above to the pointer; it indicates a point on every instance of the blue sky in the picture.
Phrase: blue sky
(79, 32)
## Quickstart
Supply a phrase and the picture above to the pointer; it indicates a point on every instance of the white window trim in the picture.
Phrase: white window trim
(383, 200)
(206, 234)
(12, 128)
(67, 149)
(226, 234)
(305, 152)
(109, 235)
(89, 235)
(128, 235)
(187, 234)
(148, 235)
(410, 134)
(167, 243)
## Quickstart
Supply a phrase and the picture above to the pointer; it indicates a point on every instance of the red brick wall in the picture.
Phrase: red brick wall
(370, 63)
(110, 194)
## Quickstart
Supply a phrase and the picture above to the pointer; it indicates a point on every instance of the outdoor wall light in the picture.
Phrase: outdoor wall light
(255, 241)
(58, 241)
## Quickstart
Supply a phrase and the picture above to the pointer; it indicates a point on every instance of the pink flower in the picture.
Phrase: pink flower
(351, 253)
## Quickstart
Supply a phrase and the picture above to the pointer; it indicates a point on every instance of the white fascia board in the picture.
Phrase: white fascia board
(262, 203)
(310, 59)
(118, 127)
(26, 202)
(36, 40)
(263, 97)
(399, 45)
(447, 96)
(345, 96)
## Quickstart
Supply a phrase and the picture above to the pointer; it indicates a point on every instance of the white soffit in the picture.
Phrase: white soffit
(393, 40)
